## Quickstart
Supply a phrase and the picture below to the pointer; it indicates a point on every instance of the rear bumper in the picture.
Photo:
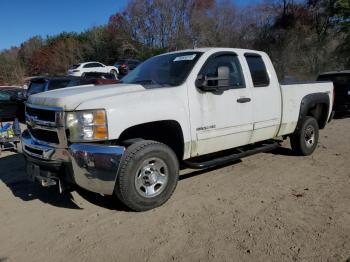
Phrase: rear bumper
(91, 166)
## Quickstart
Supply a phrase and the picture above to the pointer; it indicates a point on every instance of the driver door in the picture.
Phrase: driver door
(223, 119)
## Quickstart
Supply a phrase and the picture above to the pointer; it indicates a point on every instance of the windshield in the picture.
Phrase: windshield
(164, 70)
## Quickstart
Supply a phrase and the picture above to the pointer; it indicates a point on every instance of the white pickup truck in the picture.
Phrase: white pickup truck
(194, 108)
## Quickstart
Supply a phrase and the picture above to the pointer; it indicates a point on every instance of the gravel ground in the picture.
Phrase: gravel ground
(268, 207)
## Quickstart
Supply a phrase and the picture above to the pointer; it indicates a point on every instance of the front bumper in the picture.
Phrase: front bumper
(91, 166)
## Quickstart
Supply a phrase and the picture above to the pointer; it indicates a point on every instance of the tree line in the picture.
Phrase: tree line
(303, 38)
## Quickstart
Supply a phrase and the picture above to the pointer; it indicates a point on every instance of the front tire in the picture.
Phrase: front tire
(147, 176)
(304, 141)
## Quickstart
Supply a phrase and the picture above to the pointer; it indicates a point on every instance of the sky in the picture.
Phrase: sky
(22, 19)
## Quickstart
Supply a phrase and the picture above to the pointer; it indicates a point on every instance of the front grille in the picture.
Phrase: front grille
(41, 114)
(44, 135)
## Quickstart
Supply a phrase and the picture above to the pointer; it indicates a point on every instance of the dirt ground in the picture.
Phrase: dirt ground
(268, 207)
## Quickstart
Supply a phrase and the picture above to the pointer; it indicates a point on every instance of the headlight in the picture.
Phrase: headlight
(87, 125)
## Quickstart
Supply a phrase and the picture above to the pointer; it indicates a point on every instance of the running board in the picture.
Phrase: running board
(232, 157)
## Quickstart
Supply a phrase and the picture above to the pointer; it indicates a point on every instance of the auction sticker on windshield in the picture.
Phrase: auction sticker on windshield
(185, 58)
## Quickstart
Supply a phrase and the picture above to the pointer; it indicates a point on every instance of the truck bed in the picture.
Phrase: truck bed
(292, 96)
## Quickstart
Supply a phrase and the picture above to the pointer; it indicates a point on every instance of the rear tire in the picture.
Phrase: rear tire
(148, 175)
(304, 141)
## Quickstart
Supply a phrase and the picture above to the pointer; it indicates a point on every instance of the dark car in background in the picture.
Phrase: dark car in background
(98, 78)
(126, 65)
(12, 103)
(43, 84)
(48, 83)
(341, 82)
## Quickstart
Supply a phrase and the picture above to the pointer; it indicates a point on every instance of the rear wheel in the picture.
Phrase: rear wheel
(304, 142)
(147, 176)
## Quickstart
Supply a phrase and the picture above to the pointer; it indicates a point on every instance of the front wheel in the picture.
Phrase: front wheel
(147, 176)
(304, 142)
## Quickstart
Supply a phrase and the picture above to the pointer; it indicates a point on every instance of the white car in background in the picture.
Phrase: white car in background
(82, 68)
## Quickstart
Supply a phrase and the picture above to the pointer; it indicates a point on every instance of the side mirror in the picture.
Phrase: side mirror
(214, 84)
(202, 84)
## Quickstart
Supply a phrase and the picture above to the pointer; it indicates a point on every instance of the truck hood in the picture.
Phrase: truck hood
(70, 98)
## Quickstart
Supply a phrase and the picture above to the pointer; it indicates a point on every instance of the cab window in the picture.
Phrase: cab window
(257, 70)
(230, 64)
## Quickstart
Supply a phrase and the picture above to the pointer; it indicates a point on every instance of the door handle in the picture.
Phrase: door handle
(243, 100)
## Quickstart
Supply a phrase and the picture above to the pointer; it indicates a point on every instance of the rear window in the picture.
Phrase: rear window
(257, 70)
(75, 66)
(88, 65)
(36, 87)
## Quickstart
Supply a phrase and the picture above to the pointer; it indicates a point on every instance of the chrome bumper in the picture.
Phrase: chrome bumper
(94, 166)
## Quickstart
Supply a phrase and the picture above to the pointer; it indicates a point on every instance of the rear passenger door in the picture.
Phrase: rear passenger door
(266, 97)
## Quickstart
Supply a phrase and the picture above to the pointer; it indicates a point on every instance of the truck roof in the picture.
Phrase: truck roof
(216, 49)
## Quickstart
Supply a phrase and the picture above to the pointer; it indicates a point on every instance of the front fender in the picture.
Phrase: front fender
(128, 110)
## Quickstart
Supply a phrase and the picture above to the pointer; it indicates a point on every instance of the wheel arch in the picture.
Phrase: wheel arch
(168, 132)
(316, 105)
